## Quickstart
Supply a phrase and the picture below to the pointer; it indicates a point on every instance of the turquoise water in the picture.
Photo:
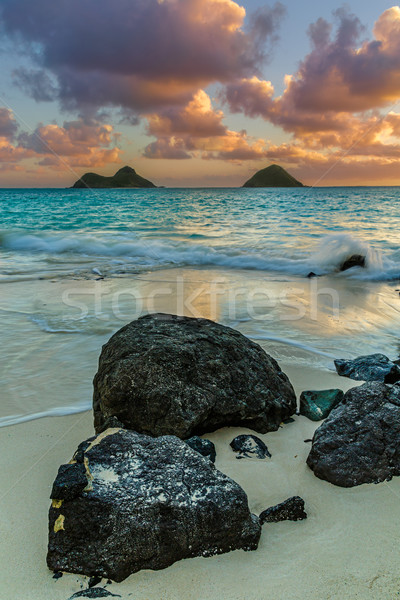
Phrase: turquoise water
(76, 265)
(120, 231)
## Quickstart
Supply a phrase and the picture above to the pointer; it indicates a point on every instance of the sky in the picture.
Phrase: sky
(199, 92)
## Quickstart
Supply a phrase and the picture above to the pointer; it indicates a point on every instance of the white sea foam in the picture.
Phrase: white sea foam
(58, 411)
(331, 251)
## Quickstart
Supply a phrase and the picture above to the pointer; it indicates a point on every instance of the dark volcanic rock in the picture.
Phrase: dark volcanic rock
(373, 367)
(317, 405)
(356, 260)
(164, 374)
(149, 502)
(291, 509)
(94, 593)
(71, 480)
(360, 440)
(203, 447)
(248, 445)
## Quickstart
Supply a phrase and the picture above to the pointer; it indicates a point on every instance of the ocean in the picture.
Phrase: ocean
(76, 265)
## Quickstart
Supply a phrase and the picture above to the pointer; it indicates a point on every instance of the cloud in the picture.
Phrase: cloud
(197, 130)
(172, 148)
(137, 54)
(338, 79)
(79, 143)
(36, 83)
(8, 125)
(76, 143)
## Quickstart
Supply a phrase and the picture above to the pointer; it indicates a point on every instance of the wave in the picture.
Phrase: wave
(117, 253)
(90, 324)
(289, 342)
(58, 411)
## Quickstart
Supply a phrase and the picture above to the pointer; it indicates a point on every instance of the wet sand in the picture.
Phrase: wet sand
(348, 546)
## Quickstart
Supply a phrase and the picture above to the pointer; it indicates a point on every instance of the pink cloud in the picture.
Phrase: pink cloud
(76, 144)
(139, 54)
(338, 78)
(197, 130)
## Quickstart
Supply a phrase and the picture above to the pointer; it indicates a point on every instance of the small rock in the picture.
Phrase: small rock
(94, 593)
(316, 405)
(57, 575)
(356, 260)
(311, 275)
(291, 509)
(372, 367)
(71, 480)
(202, 446)
(247, 445)
(94, 581)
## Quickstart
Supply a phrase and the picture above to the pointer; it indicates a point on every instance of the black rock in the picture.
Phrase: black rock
(94, 581)
(71, 480)
(373, 367)
(111, 423)
(203, 447)
(57, 575)
(94, 593)
(164, 374)
(291, 509)
(356, 260)
(311, 275)
(149, 502)
(248, 445)
(360, 440)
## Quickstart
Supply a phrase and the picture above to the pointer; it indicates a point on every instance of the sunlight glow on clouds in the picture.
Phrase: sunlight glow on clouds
(155, 60)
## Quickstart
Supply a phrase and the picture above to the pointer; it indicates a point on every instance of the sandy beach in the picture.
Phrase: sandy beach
(347, 548)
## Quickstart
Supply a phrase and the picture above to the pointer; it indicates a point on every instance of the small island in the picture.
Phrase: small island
(124, 178)
(272, 176)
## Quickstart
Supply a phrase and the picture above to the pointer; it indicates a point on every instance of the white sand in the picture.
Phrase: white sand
(348, 548)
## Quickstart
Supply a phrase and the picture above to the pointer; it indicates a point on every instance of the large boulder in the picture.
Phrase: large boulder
(164, 374)
(148, 502)
(372, 367)
(360, 440)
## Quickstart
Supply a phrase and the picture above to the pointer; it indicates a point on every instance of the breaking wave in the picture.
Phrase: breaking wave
(113, 253)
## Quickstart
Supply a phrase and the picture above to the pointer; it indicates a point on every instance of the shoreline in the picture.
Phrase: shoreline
(67, 321)
(327, 556)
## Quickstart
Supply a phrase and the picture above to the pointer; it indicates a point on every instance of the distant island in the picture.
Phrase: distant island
(124, 178)
(272, 176)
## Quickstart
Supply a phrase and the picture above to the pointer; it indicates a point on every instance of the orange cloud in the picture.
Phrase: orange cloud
(336, 79)
(198, 130)
(75, 144)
